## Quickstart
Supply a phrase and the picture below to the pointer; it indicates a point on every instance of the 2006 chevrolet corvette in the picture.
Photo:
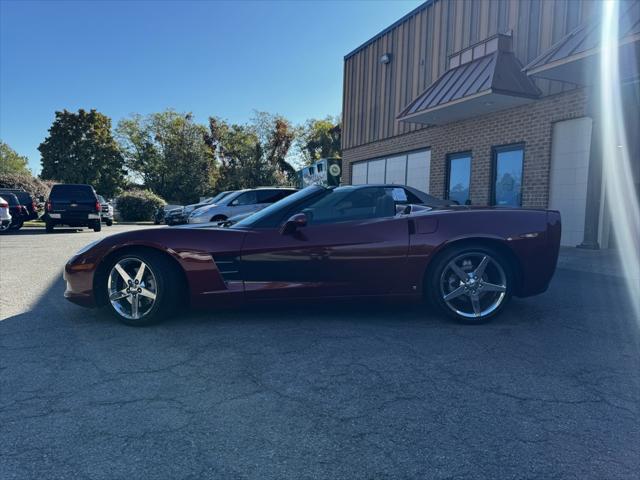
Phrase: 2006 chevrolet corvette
(350, 241)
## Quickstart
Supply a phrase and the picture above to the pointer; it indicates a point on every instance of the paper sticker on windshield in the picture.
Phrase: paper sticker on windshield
(399, 195)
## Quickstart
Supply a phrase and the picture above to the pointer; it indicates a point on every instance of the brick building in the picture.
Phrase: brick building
(491, 103)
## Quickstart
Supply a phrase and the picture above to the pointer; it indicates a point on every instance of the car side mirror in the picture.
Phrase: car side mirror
(299, 220)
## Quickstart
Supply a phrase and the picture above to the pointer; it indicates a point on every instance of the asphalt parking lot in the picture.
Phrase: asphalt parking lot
(549, 390)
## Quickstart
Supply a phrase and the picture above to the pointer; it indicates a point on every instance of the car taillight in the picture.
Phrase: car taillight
(49, 206)
(98, 207)
(4, 204)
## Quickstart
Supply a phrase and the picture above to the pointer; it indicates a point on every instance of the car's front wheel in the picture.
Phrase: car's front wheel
(470, 284)
(142, 288)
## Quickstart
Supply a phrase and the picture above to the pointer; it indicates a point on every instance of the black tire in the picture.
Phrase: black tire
(169, 288)
(435, 283)
(97, 226)
(109, 222)
(219, 218)
(16, 226)
(48, 227)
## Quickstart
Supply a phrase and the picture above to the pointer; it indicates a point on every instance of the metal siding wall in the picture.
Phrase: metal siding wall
(419, 49)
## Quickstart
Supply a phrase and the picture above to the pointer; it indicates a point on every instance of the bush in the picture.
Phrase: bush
(36, 187)
(138, 205)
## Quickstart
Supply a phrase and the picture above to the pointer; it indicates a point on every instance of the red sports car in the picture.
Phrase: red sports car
(350, 241)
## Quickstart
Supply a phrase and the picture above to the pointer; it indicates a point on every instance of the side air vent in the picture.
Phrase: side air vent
(228, 266)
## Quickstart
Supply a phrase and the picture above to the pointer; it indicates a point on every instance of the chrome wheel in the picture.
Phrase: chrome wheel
(132, 288)
(473, 285)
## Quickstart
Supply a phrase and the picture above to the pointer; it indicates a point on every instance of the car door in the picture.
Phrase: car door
(243, 203)
(351, 253)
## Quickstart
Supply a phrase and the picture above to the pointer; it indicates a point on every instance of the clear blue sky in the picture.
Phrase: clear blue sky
(211, 58)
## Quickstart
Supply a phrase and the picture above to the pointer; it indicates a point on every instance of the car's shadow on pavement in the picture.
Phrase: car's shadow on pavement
(333, 390)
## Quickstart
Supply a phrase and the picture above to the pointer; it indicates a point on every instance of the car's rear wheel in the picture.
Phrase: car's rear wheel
(16, 225)
(470, 283)
(142, 288)
(97, 226)
(109, 222)
(219, 218)
(4, 227)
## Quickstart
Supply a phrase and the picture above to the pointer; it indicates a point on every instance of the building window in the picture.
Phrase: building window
(459, 177)
(507, 175)
(412, 169)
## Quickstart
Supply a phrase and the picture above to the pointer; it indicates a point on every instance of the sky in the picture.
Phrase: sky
(211, 58)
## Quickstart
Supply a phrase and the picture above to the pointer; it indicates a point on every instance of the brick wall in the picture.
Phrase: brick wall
(531, 124)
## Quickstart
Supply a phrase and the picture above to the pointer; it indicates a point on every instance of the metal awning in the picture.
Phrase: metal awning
(575, 58)
(484, 85)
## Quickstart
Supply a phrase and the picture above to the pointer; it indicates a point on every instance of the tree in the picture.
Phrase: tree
(12, 162)
(320, 139)
(168, 152)
(252, 155)
(81, 149)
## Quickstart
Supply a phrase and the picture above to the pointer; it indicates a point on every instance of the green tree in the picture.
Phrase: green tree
(81, 149)
(252, 155)
(318, 139)
(12, 162)
(168, 153)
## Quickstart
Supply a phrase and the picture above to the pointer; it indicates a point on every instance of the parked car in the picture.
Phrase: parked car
(19, 213)
(106, 211)
(179, 216)
(175, 216)
(25, 200)
(352, 241)
(74, 205)
(161, 213)
(5, 215)
(238, 202)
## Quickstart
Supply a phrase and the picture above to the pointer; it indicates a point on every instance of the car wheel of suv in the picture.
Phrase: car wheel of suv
(142, 288)
(109, 222)
(470, 284)
(48, 227)
(97, 226)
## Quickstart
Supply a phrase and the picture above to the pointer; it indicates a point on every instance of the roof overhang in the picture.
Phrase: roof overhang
(481, 103)
(479, 86)
(583, 68)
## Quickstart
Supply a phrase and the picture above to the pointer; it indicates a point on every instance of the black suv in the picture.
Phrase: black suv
(72, 205)
(19, 213)
(26, 201)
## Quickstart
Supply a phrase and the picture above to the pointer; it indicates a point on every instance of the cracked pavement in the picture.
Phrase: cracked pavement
(550, 390)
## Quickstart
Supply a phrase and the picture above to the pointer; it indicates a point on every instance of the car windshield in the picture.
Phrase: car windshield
(101, 199)
(216, 198)
(72, 192)
(280, 206)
